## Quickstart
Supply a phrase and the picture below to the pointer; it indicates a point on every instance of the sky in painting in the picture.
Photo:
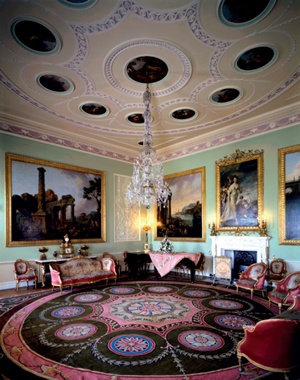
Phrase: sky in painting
(185, 190)
(292, 166)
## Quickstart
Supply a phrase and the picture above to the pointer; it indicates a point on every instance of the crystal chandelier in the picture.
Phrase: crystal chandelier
(147, 182)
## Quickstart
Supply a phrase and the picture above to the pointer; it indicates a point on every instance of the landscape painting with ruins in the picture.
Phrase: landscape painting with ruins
(46, 200)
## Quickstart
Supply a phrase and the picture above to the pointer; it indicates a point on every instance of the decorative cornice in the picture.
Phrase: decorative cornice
(214, 142)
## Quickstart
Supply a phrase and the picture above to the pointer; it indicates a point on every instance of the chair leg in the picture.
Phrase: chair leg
(251, 293)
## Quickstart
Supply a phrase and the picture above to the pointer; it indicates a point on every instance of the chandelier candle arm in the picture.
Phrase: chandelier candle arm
(147, 183)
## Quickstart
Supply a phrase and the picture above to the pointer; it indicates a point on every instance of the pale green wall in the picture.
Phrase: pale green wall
(270, 143)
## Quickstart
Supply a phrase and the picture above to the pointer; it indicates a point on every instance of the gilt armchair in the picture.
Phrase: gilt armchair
(117, 262)
(285, 290)
(276, 271)
(253, 278)
(23, 272)
(272, 344)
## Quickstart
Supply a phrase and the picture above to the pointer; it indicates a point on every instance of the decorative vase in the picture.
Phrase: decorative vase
(43, 251)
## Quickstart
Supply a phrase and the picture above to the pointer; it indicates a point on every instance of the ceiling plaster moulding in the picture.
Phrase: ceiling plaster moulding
(215, 140)
(165, 5)
(180, 69)
(109, 151)
(103, 8)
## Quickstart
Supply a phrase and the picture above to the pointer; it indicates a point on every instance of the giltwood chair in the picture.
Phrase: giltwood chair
(282, 294)
(253, 278)
(23, 272)
(276, 271)
(272, 344)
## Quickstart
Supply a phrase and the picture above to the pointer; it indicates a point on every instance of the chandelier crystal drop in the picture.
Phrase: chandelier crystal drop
(147, 183)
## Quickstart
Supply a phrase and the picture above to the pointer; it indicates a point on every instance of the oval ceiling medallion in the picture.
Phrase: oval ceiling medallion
(256, 58)
(183, 114)
(147, 69)
(94, 109)
(55, 83)
(136, 118)
(239, 13)
(35, 37)
(78, 3)
(225, 95)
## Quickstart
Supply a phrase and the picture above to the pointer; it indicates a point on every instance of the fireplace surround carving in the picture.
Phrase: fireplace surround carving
(225, 245)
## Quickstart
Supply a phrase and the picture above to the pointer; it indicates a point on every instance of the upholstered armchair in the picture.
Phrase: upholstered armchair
(272, 344)
(276, 271)
(23, 272)
(253, 278)
(282, 294)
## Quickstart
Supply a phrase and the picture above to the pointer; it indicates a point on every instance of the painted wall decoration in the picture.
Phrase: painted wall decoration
(47, 200)
(183, 219)
(239, 179)
(289, 195)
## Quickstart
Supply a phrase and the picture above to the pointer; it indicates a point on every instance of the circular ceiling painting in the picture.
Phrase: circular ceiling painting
(136, 118)
(255, 58)
(94, 109)
(55, 83)
(147, 69)
(183, 114)
(240, 12)
(225, 95)
(34, 36)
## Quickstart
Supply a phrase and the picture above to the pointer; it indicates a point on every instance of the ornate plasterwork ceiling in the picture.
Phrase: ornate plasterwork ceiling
(73, 72)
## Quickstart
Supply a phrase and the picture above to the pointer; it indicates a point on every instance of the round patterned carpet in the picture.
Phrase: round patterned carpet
(128, 330)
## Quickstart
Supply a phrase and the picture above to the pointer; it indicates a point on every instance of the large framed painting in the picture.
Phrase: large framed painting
(240, 186)
(183, 219)
(47, 200)
(289, 195)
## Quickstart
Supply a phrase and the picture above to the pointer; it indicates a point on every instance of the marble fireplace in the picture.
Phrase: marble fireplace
(243, 250)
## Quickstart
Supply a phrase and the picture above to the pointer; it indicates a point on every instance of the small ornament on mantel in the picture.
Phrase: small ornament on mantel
(84, 250)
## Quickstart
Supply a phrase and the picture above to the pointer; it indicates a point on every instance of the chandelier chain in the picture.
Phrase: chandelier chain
(147, 183)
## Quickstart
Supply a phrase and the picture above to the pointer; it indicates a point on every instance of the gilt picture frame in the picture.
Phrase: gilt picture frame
(183, 219)
(289, 195)
(46, 200)
(239, 188)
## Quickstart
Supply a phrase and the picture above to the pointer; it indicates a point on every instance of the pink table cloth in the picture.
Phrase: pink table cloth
(165, 262)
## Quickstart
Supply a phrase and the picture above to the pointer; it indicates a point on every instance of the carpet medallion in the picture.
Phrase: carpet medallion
(131, 330)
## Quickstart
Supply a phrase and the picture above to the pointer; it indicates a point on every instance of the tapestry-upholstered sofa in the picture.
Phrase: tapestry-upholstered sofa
(82, 270)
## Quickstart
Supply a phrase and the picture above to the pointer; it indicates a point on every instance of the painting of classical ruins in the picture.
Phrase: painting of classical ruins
(47, 200)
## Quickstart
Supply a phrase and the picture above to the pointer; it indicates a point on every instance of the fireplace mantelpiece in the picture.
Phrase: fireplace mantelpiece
(260, 244)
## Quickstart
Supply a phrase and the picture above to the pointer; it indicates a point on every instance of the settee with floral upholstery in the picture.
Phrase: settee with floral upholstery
(82, 270)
